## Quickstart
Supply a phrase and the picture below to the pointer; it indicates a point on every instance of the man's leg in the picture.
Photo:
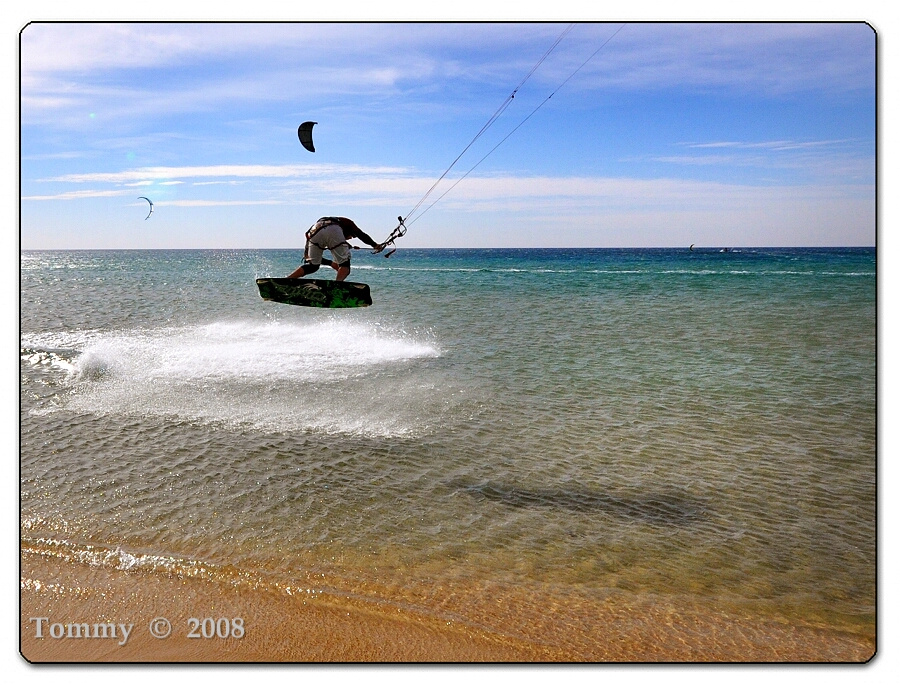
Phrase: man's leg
(341, 254)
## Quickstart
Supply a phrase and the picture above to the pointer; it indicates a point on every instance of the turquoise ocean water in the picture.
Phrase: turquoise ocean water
(694, 426)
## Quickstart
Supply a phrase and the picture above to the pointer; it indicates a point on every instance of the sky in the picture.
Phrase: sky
(620, 134)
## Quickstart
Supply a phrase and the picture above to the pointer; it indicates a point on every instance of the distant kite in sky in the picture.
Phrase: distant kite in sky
(151, 206)
(305, 134)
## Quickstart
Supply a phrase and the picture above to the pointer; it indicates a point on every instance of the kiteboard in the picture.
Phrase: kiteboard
(311, 292)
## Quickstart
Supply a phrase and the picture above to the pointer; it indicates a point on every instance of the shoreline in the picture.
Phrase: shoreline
(277, 627)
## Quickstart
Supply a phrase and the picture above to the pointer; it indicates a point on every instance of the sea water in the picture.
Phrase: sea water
(693, 426)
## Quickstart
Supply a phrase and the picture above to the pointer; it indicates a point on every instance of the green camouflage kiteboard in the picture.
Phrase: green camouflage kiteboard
(311, 292)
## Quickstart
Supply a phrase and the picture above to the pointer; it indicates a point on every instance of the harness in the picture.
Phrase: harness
(315, 228)
(319, 225)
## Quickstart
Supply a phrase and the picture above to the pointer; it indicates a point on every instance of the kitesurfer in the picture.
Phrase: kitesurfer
(332, 233)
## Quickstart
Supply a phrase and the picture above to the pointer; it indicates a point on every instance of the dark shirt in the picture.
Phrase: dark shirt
(350, 229)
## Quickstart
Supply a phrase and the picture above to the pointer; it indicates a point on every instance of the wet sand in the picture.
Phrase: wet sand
(486, 626)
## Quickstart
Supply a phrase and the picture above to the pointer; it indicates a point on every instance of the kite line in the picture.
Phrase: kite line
(404, 222)
(496, 115)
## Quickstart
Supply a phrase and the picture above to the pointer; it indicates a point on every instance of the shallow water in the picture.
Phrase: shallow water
(691, 425)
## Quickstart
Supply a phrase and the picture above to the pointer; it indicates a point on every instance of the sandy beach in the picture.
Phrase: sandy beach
(276, 627)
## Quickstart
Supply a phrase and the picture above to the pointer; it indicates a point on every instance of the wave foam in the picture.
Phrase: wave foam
(245, 352)
(327, 376)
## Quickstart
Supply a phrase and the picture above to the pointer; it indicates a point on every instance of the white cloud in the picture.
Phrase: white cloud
(529, 196)
(79, 47)
(824, 161)
(217, 203)
(61, 62)
(769, 144)
(774, 58)
(76, 195)
(220, 170)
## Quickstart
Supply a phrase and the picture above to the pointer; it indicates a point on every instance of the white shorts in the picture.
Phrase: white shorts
(332, 238)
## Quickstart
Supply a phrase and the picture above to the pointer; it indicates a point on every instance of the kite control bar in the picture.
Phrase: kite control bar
(398, 232)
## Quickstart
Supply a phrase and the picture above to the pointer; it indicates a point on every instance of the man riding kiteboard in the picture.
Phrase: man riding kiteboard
(332, 233)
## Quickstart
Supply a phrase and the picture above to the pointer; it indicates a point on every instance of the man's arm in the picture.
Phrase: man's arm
(365, 237)
(368, 240)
